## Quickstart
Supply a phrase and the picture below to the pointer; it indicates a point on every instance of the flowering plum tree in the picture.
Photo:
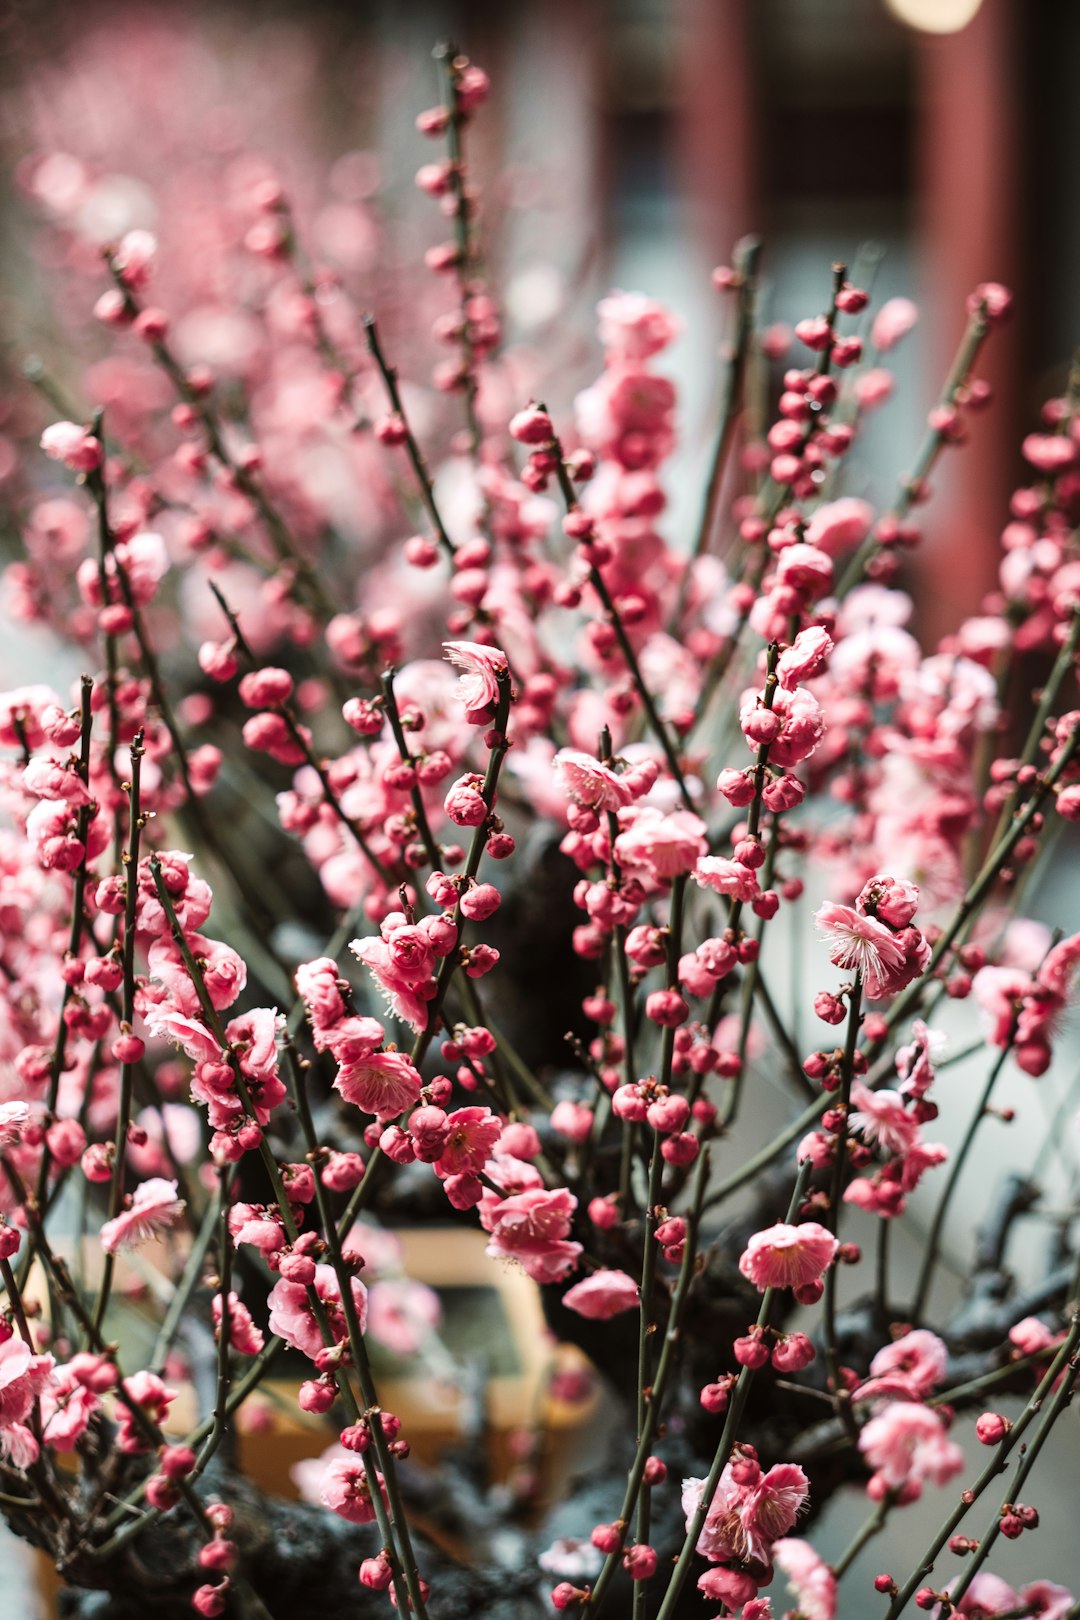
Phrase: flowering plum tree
(536, 702)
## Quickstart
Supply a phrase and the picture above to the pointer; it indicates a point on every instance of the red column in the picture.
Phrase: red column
(968, 224)
(715, 121)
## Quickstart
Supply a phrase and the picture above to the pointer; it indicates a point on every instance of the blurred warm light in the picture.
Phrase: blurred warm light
(935, 16)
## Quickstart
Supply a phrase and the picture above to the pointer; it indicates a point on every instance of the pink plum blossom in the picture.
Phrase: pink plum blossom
(788, 1256)
(602, 1294)
(154, 1208)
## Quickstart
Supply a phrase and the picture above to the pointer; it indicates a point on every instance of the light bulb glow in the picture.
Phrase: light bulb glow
(935, 16)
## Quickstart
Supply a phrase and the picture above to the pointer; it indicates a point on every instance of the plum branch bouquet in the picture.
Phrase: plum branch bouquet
(535, 765)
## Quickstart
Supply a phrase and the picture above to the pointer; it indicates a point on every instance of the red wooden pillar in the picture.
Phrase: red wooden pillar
(715, 131)
(967, 226)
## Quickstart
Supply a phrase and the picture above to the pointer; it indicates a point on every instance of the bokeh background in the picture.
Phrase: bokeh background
(628, 143)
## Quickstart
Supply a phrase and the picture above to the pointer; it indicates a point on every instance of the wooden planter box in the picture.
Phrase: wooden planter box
(494, 1330)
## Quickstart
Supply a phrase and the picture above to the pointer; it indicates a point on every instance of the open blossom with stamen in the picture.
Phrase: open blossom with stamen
(749, 1510)
(886, 961)
(346, 1488)
(382, 1083)
(194, 1037)
(882, 1119)
(478, 685)
(470, 1140)
(857, 943)
(293, 1319)
(591, 783)
(987, 1595)
(154, 1208)
(788, 1256)
(531, 1228)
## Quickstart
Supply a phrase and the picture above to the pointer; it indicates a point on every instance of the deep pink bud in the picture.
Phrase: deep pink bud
(992, 1428)
(209, 1601)
(66, 1140)
(667, 1008)
(316, 1395)
(640, 1562)
(681, 1148)
(376, 1573)
(792, 1353)
(161, 1493)
(668, 1114)
(608, 1538)
(266, 688)
(750, 1351)
(176, 1461)
(480, 902)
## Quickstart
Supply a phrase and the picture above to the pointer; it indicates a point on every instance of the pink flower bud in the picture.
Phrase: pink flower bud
(176, 1461)
(480, 902)
(316, 1395)
(532, 426)
(97, 1161)
(297, 1268)
(128, 1048)
(266, 688)
(73, 445)
(667, 1008)
(640, 1562)
(376, 1573)
(218, 661)
(792, 1353)
(161, 1493)
(397, 1145)
(996, 298)
(209, 1601)
(603, 1213)
(681, 1148)
(464, 804)
(66, 1141)
(607, 1538)
(151, 324)
(750, 1351)
(816, 332)
(737, 787)
(991, 1428)
(668, 1113)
